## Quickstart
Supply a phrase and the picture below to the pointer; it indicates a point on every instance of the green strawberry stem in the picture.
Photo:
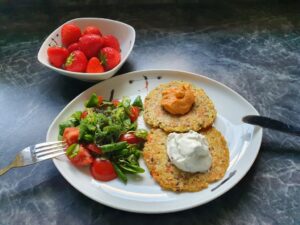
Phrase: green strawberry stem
(69, 59)
(103, 60)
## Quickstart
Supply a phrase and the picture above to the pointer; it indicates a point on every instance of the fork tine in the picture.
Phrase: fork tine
(47, 144)
(50, 156)
(54, 146)
(40, 154)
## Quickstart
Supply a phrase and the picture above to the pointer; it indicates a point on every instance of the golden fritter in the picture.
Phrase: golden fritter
(201, 115)
(171, 178)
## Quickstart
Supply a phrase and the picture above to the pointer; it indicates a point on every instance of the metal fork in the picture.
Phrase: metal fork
(36, 153)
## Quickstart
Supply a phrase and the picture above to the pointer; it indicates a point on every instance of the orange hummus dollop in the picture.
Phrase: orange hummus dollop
(178, 101)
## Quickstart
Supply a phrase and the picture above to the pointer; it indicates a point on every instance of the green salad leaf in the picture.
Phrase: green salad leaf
(141, 133)
(92, 102)
(73, 121)
(138, 102)
(125, 103)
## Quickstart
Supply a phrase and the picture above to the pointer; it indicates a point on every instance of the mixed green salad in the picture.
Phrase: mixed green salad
(105, 137)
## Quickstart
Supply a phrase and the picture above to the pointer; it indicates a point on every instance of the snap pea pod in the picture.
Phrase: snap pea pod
(113, 147)
(137, 168)
(88, 137)
(129, 168)
(119, 172)
(72, 150)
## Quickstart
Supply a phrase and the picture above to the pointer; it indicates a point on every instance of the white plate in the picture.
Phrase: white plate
(141, 194)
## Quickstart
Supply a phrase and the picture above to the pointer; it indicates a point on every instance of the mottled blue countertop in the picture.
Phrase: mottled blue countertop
(254, 48)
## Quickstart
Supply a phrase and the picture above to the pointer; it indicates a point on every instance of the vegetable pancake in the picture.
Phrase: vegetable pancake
(201, 115)
(170, 177)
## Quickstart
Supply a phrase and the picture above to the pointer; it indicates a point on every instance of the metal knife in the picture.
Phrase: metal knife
(266, 122)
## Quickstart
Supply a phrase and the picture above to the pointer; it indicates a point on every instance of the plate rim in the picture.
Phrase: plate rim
(259, 135)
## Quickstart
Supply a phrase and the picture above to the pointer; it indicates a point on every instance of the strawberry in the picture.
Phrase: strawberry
(57, 55)
(109, 57)
(94, 66)
(73, 47)
(111, 41)
(70, 34)
(90, 44)
(76, 62)
(92, 30)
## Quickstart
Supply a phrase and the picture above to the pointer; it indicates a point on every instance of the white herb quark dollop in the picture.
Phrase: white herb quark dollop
(189, 151)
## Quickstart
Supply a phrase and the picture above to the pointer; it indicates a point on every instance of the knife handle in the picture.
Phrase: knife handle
(267, 122)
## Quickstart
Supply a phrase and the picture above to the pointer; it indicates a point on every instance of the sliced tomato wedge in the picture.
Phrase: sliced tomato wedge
(83, 114)
(71, 135)
(116, 102)
(134, 113)
(130, 138)
(100, 100)
(94, 148)
(82, 158)
(103, 170)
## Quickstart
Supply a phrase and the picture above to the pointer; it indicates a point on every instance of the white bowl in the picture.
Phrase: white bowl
(124, 32)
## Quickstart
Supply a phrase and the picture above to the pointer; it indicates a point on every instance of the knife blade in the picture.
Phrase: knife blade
(270, 123)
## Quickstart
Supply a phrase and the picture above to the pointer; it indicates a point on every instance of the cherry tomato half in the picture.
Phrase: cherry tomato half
(134, 113)
(116, 102)
(100, 100)
(130, 138)
(83, 114)
(83, 157)
(92, 30)
(71, 135)
(93, 148)
(103, 170)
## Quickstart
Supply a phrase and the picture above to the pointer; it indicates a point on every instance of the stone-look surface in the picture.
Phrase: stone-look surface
(252, 48)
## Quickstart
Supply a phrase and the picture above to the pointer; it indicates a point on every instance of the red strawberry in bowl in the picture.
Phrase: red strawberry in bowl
(109, 58)
(90, 44)
(94, 66)
(70, 34)
(111, 41)
(92, 30)
(73, 47)
(76, 62)
(57, 55)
